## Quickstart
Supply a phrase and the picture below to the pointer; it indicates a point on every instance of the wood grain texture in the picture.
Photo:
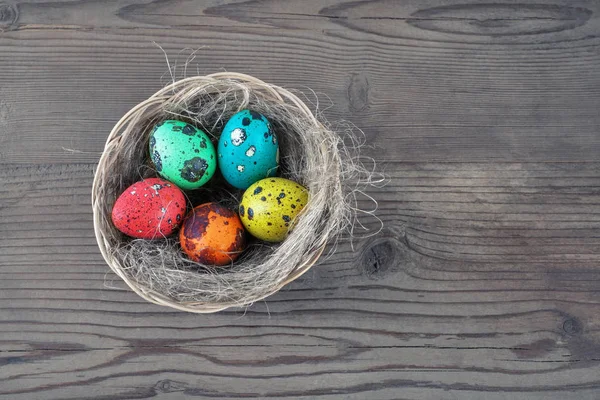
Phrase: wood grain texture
(483, 284)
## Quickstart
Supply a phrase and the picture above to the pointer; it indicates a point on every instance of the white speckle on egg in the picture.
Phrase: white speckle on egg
(250, 152)
(238, 136)
(241, 168)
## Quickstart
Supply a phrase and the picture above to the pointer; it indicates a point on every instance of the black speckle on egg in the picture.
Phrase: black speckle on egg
(255, 115)
(203, 144)
(152, 142)
(281, 196)
(246, 121)
(258, 190)
(188, 130)
(266, 135)
(250, 213)
(268, 223)
(286, 218)
(194, 169)
(242, 210)
(263, 198)
(176, 128)
(157, 161)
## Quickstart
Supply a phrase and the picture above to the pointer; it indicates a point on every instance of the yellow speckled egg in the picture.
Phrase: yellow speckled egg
(269, 207)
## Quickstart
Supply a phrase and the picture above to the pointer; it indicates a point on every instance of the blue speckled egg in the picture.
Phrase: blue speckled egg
(248, 150)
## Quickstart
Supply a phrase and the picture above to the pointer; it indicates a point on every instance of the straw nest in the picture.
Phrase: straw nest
(312, 154)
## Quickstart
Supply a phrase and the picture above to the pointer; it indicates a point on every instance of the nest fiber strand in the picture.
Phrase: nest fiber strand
(312, 155)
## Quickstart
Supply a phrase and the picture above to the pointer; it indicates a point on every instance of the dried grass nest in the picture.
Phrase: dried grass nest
(325, 162)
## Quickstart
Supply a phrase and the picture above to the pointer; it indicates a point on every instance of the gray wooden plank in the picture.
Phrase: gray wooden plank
(435, 81)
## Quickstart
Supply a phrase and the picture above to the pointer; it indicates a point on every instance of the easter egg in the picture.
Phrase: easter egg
(149, 209)
(248, 149)
(269, 207)
(182, 154)
(212, 234)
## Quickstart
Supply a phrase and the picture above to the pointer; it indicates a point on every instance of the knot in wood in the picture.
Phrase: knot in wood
(572, 326)
(379, 257)
(8, 15)
(164, 386)
(169, 386)
(358, 92)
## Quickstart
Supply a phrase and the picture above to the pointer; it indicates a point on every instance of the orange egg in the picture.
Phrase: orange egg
(212, 234)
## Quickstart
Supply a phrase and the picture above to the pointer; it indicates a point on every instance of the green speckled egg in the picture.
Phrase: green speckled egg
(182, 154)
(270, 206)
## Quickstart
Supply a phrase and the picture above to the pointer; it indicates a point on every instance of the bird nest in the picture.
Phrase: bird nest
(312, 154)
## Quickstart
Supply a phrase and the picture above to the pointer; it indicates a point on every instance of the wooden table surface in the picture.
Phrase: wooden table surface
(483, 284)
